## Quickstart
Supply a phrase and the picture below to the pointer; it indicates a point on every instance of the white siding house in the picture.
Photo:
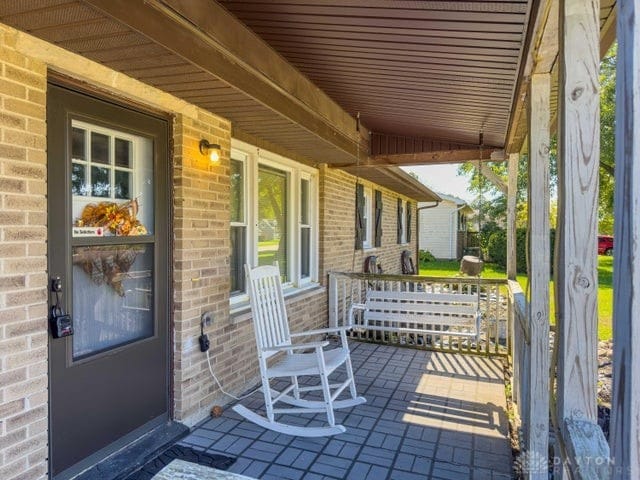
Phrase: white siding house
(442, 228)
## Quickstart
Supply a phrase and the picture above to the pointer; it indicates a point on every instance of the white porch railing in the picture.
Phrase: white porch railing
(348, 288)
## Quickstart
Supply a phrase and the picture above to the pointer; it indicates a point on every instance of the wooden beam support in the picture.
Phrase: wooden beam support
(537, 440)
(576, 237)
(625, 418)
(490, 175)
(425, 158)
(207, 35)
(512, 196)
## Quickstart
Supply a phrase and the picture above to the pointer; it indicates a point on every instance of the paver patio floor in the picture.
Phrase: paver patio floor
(429, 415)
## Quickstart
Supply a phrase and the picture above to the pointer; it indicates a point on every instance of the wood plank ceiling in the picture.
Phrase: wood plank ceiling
(441, 70)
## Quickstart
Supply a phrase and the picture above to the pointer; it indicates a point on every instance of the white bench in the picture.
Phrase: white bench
(455, 314)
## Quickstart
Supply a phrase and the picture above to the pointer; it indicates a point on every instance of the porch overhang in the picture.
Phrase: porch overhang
(427, 78)
(293, 76)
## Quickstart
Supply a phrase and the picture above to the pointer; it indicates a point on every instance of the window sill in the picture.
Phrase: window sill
(241, 310)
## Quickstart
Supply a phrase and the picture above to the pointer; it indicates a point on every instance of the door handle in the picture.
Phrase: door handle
(61, 323)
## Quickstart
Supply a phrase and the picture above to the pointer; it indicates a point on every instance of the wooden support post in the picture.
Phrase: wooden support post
(537, 441)
(576, 262)
(625, 419)
(512, 195)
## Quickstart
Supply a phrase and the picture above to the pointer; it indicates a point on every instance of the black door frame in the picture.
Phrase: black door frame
(163, 261)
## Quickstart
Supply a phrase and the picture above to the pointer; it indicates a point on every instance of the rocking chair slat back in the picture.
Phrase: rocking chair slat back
(267, 303)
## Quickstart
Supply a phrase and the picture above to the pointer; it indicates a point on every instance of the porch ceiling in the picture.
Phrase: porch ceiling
(426, 76)
(442, 70)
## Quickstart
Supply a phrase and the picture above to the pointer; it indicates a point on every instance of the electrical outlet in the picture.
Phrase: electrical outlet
(207, 319)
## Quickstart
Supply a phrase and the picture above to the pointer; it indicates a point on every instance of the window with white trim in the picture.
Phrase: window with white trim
(274, 217)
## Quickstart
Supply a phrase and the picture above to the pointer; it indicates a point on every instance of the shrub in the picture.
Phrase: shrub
(425, 257)
(497, 248)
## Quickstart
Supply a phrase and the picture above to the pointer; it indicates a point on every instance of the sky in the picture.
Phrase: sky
(443, 179)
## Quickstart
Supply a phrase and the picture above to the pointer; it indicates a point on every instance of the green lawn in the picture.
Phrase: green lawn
(605, 287)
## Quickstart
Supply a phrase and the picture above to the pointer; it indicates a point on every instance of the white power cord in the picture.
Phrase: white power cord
(220, 385)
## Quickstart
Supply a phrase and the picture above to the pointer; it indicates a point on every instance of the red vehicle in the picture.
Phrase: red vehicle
(605, 245)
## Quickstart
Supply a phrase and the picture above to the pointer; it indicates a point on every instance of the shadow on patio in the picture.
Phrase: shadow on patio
(429, 415)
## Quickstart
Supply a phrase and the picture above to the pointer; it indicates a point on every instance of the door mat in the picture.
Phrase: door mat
(187, 454)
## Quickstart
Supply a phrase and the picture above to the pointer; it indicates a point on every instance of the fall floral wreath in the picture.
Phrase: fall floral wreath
(110, 263)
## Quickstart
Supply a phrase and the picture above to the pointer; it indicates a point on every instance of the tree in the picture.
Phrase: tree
(607, 140)
(494, 204)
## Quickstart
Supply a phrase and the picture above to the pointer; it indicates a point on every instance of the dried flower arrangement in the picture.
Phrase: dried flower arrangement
(110, 263)
(118, 219)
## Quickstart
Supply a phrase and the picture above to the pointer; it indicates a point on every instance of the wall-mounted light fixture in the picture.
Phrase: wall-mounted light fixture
(211, 149)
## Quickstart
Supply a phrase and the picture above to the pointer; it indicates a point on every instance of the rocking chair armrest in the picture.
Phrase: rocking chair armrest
(319, 331)
(299, 346)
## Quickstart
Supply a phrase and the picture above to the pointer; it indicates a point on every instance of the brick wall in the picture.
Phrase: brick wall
(337, 226)
(23, 265)
(201, 277)
(201, 270)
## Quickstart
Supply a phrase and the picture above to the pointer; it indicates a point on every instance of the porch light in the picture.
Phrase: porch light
(211, 149)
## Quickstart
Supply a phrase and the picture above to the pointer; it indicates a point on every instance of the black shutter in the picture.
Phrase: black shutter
(359, 215)
(378, 224)
(399, 227)
(409, 214)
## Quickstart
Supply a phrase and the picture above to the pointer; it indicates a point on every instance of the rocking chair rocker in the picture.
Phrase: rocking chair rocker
(273, 337)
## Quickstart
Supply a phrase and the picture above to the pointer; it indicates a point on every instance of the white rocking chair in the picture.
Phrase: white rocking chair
(273, 337)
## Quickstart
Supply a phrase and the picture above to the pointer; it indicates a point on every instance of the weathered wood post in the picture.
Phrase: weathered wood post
(576, 266)
(537, 440)
(512, 193)
(625, 419)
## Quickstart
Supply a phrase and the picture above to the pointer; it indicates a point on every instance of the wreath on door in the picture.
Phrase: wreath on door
(110, 264)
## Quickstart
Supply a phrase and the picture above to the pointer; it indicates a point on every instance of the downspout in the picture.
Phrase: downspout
(437, 202)
(451, 230)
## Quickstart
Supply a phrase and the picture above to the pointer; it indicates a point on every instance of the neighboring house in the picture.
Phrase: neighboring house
(443, 228)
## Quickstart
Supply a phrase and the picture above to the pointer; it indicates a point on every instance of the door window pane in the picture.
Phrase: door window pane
(272, 218)
(112, 297)
(99, 148)
(123, 185)
(100, 185)
(78, 179)
(123, 153)
(78, 144)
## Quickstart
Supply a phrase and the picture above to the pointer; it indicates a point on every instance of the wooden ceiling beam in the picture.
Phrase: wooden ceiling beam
(424, 158)
(208, 36)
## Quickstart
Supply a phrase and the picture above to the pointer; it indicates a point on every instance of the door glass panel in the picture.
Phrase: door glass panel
(112, 296)
(78, 144)
(112, 282)
(123, 153)
(99, 148)
(123, 184)
(100, 185)
(78, 180)
(114, 188)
